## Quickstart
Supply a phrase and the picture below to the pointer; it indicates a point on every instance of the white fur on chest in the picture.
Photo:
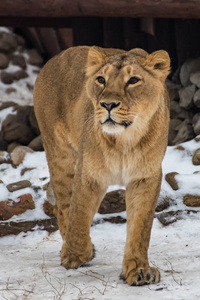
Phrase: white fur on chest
(122, 168)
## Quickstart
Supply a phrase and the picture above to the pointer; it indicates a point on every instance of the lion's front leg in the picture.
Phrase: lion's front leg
(141, 198)
(77, 247)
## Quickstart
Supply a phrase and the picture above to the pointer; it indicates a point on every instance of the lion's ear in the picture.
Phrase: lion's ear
(96, 59)
(158, 62)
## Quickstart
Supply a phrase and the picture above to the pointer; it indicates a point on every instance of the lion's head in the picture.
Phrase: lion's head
(125, 88)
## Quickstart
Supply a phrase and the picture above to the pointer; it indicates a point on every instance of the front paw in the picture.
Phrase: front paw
(141, 276)
(72, 260)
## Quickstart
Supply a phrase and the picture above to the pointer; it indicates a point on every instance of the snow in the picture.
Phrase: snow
(30, 262)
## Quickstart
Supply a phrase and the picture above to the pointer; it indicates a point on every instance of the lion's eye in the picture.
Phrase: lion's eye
(101, 80)
(133, 80)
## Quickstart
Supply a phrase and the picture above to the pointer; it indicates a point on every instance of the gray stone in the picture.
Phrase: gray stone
(113, 202)
(33, 121)
(196, 123)
(167, 218)
(175, 109)
(3, 144)
(19, 154)
(195, 78)
(176, 75)
(184, 134)
(163, 203)
(36, 144)
(9, 227)
(6, 77)
(34, 58)
(4, 61)
(196, 157)
(4, 157)
(185, 115)
(186, 96)
(15, 186)
(196, 98)
(172, 130)
(10, 90)
(8, 42)
(21, 74)
(12, 146)
(19, 60)
(192, 200)
(170, 178)
(190, 66)
(16, 128)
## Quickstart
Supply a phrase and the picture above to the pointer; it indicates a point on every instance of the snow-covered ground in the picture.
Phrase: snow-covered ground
(30, 263)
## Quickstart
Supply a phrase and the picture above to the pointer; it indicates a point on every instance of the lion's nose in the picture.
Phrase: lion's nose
(109, 106)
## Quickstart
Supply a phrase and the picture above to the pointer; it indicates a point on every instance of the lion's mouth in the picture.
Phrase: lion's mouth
(111, 122)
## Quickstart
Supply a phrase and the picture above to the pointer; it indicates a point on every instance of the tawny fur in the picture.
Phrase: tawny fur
(86, 151)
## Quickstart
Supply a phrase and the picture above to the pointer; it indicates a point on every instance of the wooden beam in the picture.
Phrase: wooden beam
(100, 8)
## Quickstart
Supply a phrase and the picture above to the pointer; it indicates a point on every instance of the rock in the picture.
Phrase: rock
(19, 154)
(19, 185)
(23, 171)
(12, 146)
(21, 74)
(180, 148)
(6, 77)
(4, 157)
(185, 114)
(33, 121)
(7, 228)
(8, 42)
(176, 75)
(175, 109)
(10, 90)
(196, 157)
(113, 220)
(17, 132)
(167, 218)
(113, 202)
(34, 58)
(195, 78)
(196, 98)
(48, 208)
(3, 144)
(190, 66)
(196, 123)
(50, 194)
(184, 134)
(192, 200)
(4, 61)
(10, 208)
(16, 128)
(186, 96)
(20, 40)
(36, 144)
(8, 104)
(170, 178)
(174, 123)
(163, 203)
(18, 60)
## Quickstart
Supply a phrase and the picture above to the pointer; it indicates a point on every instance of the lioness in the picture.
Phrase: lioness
(103, 115)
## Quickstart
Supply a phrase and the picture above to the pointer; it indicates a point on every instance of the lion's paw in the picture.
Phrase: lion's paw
(71, 260)
(142, 276)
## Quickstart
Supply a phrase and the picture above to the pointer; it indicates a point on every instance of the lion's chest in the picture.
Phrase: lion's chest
(122, 168)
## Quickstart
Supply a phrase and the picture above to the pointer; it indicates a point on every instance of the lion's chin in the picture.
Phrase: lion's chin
(112, 128)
